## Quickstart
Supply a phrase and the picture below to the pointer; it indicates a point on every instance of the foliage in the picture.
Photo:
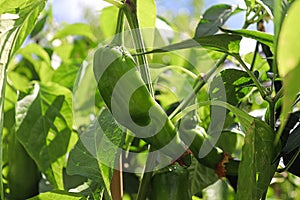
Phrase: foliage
(57, 132)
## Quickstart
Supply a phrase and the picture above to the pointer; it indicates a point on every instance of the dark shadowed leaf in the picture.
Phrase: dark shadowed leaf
(213, 18)
(262, 37)
(222, 42)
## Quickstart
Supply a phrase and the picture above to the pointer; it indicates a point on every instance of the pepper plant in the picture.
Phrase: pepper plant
(126, 109)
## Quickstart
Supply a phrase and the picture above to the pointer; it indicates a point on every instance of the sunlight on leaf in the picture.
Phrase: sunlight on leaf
(289, 58)
(43, 126)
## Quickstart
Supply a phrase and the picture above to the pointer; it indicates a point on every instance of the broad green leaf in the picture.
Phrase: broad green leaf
(18, 81)
(65, 75)
(280, 8)
(146, 14)
(221, 42)
(213, 18)
(107, 14)
(262, 37)
(288, 59)
(10, 97)
(44, 126)
(237, 85)
(58, 195)
(79, 29)
(17, 19)
(200, 176)
(256, 168)
(40, 59)
(97, 151)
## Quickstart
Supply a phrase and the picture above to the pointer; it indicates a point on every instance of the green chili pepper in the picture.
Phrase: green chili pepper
(194, 136)
(171, 183)
(23, 175)
(130, 102)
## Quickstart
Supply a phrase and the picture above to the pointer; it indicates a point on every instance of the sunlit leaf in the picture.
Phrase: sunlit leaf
(44, 125)
(79, 29)
(237, 85)
(107, 14)
(58, 195)
(17, 19)
(288, 59)
(96, 152)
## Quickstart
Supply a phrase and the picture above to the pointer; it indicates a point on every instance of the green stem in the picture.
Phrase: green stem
(272, 114)
(260, 88)
(131, 15)
(118, 38)
(278, 95)
(147, 175)
(2, 95)
(198, 85)
(254, 56)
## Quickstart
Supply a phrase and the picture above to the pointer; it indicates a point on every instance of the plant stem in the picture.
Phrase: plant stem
(131, 15)
(200, 82)
(2, 97)
(116, 186)
(118, 38)
(254, 56)
(146, 178)
(272, 114)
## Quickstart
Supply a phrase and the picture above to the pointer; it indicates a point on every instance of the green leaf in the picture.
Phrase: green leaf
(79, 29)
(213, 18)
(96, 153)
(221, 42)
(17, 19)
(107, 14)
(39, 26)
(237, 85)
(146, 13)
(66, 74)
(258, 153)
(58, 195)
(40, 59)
(288, 59)
(200, 176)
(262, 37)
(44, 125)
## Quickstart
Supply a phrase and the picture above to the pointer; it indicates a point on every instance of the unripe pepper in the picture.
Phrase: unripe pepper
(130, 102)
(194, 136)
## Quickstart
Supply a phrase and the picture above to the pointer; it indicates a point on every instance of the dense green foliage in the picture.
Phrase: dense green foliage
(68, 133)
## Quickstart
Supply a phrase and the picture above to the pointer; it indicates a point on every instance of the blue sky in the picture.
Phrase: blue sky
(70, 11)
